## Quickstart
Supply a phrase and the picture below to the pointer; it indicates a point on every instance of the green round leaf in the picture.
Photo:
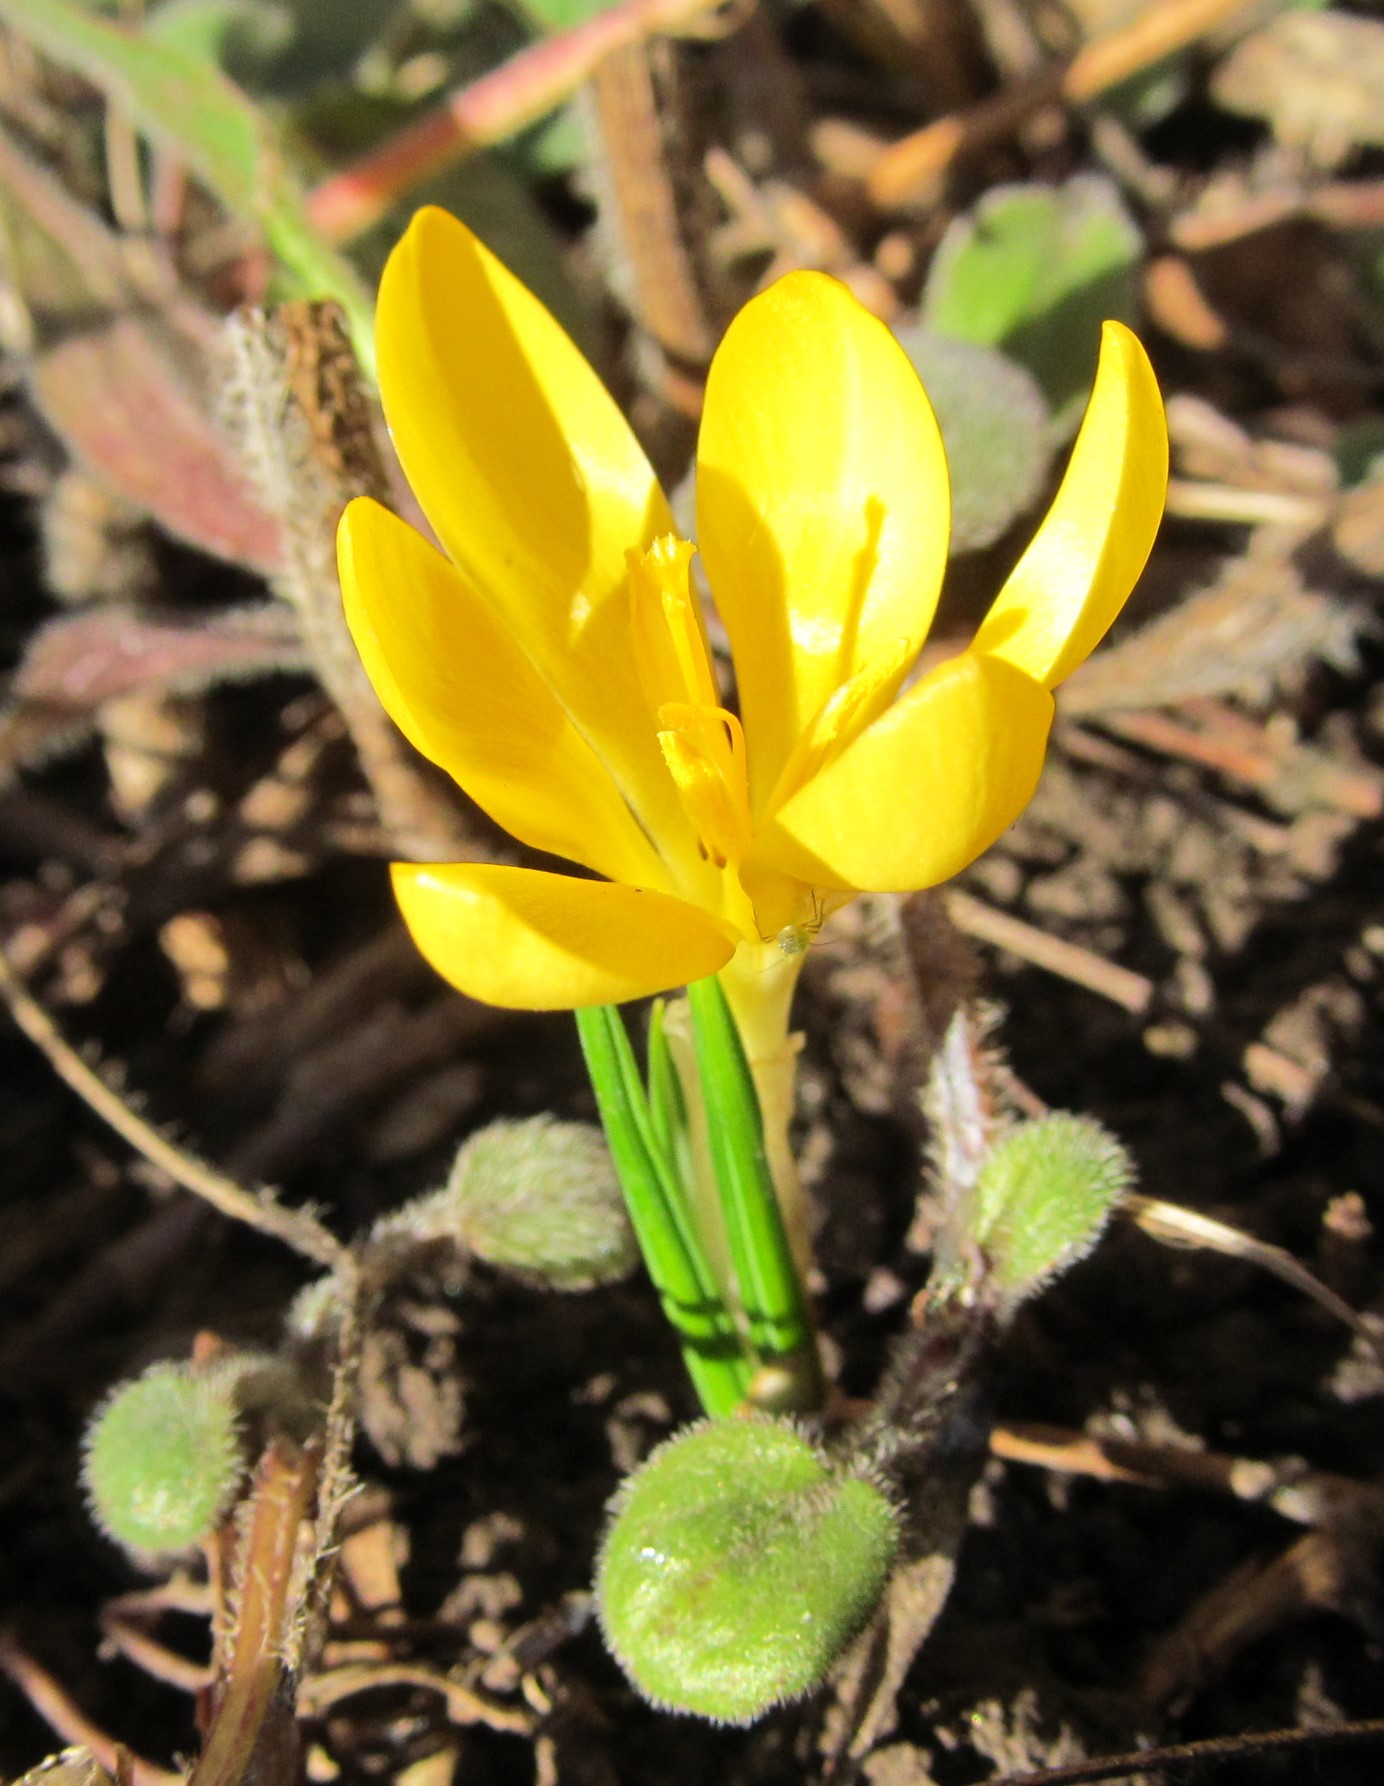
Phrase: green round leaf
(737, 1566)
(1043, 1197)
(541, 1198)
(1036, 270)
(163, 1458)
(995, 426)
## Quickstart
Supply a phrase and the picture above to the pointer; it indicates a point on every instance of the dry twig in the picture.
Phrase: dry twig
(907, 170)
(297, 1228)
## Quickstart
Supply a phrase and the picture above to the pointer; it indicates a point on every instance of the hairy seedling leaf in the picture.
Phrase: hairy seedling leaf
(737, 1566)
(1036, 270)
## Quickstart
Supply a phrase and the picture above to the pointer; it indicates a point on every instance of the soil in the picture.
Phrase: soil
(220, 936)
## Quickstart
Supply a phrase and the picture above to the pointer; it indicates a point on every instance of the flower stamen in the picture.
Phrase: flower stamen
(704, 748)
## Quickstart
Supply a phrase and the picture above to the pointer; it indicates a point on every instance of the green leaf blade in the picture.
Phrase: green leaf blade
(770, 1288)
(677, 1265)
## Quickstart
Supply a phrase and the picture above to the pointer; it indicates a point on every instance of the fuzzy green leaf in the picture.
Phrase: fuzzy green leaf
(995, 427)
(737, 1566)
(162, 1457)
(1042, 1199)
(540, 1198)
(1036, 270)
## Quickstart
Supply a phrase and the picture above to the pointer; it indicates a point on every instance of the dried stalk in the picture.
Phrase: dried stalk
(294, 405)
(297, 1228)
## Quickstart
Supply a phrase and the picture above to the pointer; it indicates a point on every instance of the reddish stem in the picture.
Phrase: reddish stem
(487, 111)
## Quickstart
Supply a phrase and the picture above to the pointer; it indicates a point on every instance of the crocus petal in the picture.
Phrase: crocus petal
(839, 721)
(547, 942)
(1076, 575)
(822, 505)
(465, 695)
(925, 789)
(532, 481)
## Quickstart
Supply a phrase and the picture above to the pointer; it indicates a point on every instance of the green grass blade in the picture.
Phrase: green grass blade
(675, 1258)
(769, 1285)
(685, 1283)
(667, 1105)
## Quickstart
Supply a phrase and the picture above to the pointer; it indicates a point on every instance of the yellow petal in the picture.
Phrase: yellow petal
(822, 505)
(925, 789)
(547, 942)
(532, 481)
(839, 721)
(465, 695)
(1085, 558)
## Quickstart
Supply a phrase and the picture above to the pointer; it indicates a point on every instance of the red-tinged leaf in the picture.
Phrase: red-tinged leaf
(61, 258)
(117, 399)
(95, 657)
(125, 384)
(74, 666)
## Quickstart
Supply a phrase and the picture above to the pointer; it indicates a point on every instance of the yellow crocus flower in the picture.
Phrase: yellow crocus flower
(555, 660)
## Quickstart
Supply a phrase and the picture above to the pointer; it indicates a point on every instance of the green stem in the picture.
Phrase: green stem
(686, 1285)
